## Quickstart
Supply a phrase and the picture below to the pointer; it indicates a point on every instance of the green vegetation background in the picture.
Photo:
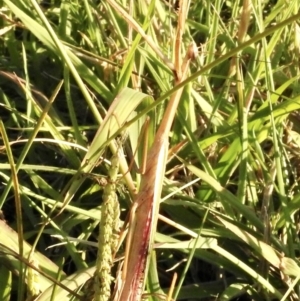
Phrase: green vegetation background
(231, 195)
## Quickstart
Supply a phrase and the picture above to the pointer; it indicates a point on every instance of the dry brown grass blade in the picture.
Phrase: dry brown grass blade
(145, 208)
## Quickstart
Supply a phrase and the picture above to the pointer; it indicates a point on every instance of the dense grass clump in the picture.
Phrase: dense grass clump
(78, 81)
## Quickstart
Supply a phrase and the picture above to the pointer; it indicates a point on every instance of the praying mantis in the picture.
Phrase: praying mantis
(143, 213)
(141, 219)
(144, 210)
(145, 206)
